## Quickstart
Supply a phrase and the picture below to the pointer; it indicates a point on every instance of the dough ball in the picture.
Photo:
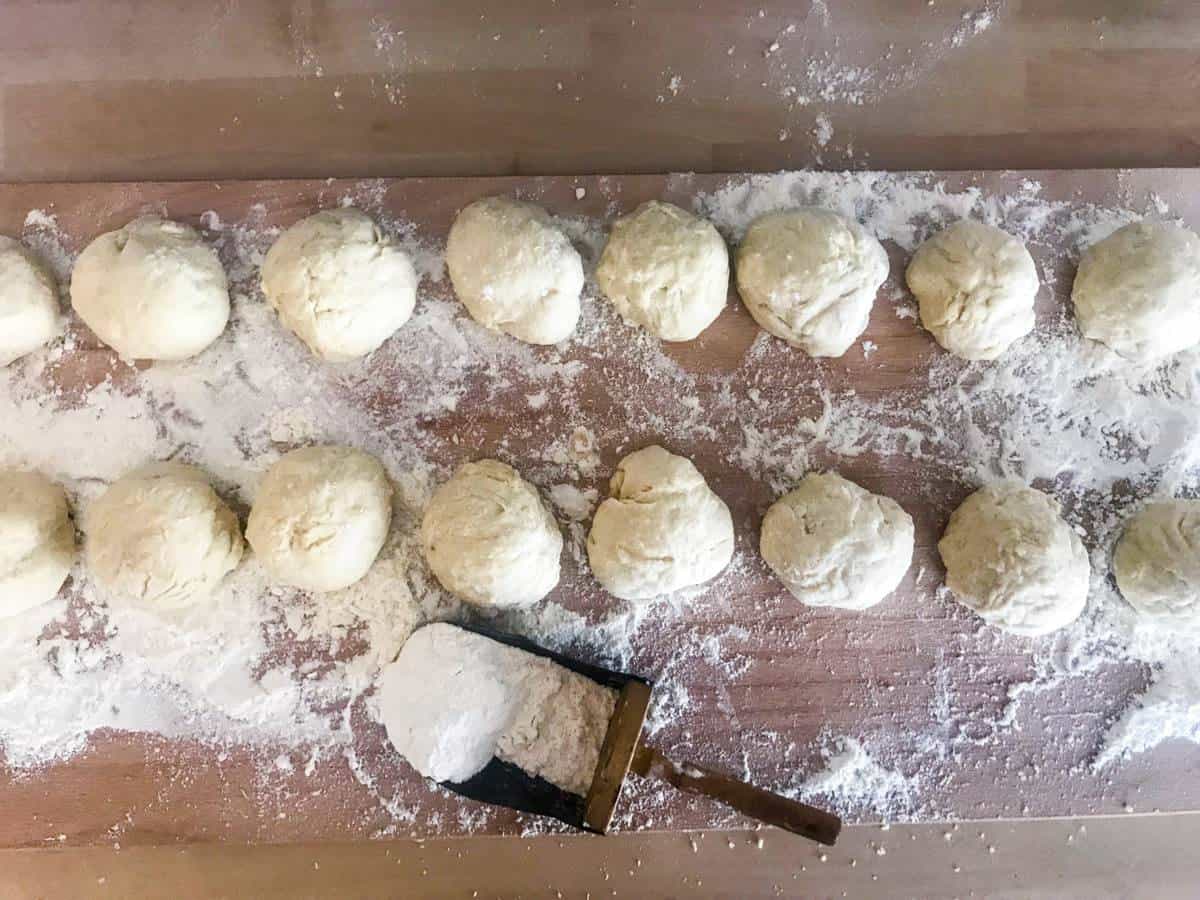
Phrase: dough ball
(1157, 562)
(161, 536)
(514, 270)
(489, 539)
(833, 543)
(662, 529)
(29, 311)
(151, 290)
(1011, 558)
(37, 541)
(1138, 291)
(321, 517)
(976, 286)
(810, 276)
(339, 284)
(665, 270)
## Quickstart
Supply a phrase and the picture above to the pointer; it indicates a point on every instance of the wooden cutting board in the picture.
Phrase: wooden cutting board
(915, 672)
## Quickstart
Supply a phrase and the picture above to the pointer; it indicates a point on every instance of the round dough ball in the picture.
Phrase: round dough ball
(29, 311)
(321, 517)
(833, 543)
(1157, 562)
(975, 286)
(151, 290)
(489, 539)
(662, 529)
(1138, 290)
(160, 536)
(514, 270)
(665, 270)
(339, 284)
(810, 276)
(37, 541)
(1011, 558)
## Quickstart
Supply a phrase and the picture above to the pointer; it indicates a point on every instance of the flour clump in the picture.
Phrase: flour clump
(665, 270)
(975, 285)
(161, 537)
(1138, 291)
(453, 699)
(515, 270)
(662, 528)
(29, 311)
(151, 290)
(37, 541)
(320, 517)
(1012, 559)
(339, 283)
(833, 543)
(810, 276)
(1157, 562)
(490, 539)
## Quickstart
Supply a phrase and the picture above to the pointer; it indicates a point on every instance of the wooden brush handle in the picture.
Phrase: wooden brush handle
(791, 815)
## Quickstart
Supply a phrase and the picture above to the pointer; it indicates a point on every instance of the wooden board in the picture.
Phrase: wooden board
(803, 672)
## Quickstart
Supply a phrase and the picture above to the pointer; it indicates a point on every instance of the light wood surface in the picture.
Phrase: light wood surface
(125, 90)
(803, 672)
(313, 88)
(1130, 857)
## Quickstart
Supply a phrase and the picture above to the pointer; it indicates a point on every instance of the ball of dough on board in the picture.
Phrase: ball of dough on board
(320, 517)
(160, 536)
(665, 270)
(976, 287)
(339, 284)
(37, 541)
(1011, 558)
(662, 529)
(514, 270)
(151, 290)
(489, 538)
(810, 276)
(1157, 562)
(1138, 290)
(29, 310)
(833, 543)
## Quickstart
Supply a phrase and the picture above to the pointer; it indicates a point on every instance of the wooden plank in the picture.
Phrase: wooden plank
(276, 89)
(806, 672)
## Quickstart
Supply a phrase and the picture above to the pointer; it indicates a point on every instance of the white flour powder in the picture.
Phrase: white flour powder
(454, 699)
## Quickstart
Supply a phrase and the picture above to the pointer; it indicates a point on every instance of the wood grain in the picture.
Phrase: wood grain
(313, 88)
(877, 674)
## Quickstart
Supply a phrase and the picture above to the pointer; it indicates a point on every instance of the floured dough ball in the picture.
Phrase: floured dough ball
(1157, 562)
(665, 270)
(151, 290)
(1138, 290)
(833, 543)
(339, 284)
(160, 536)
(320, 517)
(810, 276)
(662, 529)
(975, 285)
(37, 541)
(1012, 559)
(514, 270)
(29, 311)
(489, 538)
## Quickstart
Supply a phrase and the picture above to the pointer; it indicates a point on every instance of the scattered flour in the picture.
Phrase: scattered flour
(852, 780)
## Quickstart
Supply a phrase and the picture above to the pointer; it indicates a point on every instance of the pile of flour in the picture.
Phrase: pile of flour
(453, 699)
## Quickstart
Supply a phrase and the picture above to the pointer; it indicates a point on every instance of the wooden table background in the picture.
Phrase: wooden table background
(183, 90)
